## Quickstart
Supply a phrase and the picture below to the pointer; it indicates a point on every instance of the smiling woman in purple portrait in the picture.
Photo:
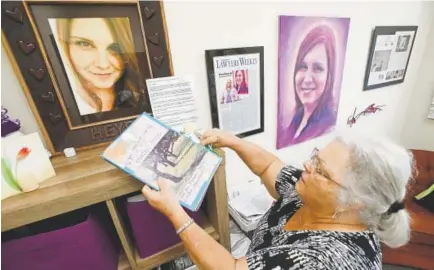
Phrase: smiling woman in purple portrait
(313, 83)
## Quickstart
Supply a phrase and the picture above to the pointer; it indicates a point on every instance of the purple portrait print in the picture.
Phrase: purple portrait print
(311, 61)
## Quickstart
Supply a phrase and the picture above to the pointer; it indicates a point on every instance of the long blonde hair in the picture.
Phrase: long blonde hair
(121, 31)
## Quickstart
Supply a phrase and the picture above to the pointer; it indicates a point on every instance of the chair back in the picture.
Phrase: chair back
(425, 171)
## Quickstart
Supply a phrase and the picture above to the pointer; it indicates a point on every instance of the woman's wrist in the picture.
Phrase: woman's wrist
(178, 217)
(236, 143)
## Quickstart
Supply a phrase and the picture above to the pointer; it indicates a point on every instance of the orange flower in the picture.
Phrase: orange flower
(23, 153)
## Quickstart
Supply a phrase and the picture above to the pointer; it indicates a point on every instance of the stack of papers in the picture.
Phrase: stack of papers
(248, 203)
(181, 263)
(239, 241)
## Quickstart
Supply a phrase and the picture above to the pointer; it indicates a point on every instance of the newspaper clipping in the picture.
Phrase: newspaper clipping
(237, 80)
(390, 57)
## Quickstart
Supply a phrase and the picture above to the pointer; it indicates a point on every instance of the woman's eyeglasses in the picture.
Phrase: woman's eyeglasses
(316, 168)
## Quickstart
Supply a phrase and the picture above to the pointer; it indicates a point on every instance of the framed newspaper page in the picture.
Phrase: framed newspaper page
(389, 55)
(236, 89)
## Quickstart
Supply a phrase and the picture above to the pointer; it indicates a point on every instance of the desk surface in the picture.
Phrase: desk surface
(82, 180)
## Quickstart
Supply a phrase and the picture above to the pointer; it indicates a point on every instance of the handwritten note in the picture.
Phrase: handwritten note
(148, 134)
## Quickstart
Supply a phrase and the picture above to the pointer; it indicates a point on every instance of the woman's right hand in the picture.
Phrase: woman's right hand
(218, 138)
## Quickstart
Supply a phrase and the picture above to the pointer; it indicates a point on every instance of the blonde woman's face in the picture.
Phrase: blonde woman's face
(228, 84)
(95, 53)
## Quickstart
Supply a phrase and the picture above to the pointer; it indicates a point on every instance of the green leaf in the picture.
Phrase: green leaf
(9, 177)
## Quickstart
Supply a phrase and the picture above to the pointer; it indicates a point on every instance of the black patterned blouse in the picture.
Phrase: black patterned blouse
(273, 248)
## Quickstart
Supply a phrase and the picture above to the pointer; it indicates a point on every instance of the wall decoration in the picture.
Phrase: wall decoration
(389, 55)
(311, 60)
(371, 109)
(9, 125)
(236, 89)
(83, 65)
(25, 164)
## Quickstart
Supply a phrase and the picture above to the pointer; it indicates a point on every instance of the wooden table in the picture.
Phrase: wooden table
(87, 179)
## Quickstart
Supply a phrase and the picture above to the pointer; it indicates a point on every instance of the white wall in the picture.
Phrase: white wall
(418, 130)
(13, 97)
(196, 26)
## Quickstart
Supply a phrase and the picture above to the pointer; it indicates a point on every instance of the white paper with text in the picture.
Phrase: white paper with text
(172, 100)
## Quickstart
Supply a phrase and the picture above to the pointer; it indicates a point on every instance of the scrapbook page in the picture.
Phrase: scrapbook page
(149, 150)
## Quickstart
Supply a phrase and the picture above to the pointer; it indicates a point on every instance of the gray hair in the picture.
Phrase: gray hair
(378, 174)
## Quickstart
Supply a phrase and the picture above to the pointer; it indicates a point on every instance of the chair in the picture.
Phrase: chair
(419, 253)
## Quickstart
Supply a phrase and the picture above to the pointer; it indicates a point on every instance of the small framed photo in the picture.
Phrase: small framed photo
(83, 64)
(389, 55)
(236, 89)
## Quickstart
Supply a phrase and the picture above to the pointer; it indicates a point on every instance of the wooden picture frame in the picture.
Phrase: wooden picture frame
(33, 35)
(241, 112)
(386, 48)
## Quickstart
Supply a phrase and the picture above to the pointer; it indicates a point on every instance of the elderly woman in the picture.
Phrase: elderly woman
(331, 215)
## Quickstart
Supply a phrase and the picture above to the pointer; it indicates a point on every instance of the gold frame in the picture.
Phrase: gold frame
(40, 45)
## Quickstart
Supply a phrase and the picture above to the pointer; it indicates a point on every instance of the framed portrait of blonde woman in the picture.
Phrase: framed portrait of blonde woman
(83, 65)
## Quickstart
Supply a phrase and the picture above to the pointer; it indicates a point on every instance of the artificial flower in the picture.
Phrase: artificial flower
(9, 177)
(23, 153)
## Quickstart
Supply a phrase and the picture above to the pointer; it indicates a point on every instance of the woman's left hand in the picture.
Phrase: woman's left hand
(165, 201)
